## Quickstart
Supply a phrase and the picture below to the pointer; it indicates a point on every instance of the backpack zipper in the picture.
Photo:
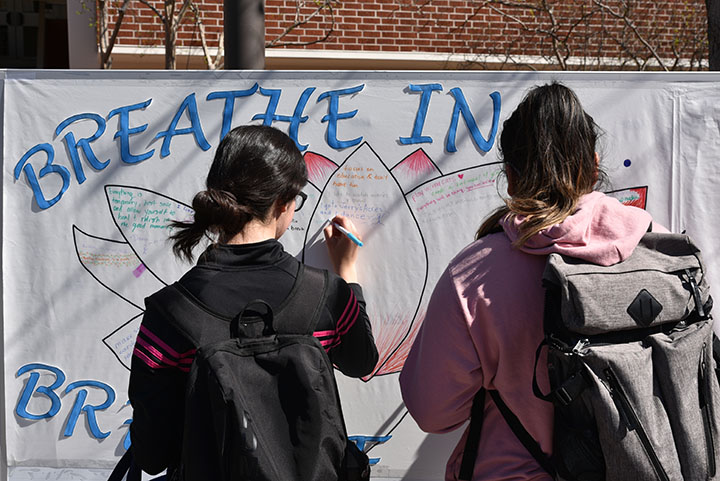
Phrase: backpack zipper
(705, 406)
(627, 413)
(695, 291)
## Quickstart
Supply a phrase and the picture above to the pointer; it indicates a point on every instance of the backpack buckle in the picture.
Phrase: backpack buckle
(570, 389)
(563, 396)
(253, 323)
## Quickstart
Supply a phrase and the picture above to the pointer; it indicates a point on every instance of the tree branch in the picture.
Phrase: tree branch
(212, 64)
(623, 16)
(181, 14)
(111, 43)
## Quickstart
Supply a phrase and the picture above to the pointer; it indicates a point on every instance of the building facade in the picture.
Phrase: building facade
(378, 34)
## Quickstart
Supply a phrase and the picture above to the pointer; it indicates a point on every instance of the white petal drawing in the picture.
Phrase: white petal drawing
(115, 266)
(122, 340)
(143, 218)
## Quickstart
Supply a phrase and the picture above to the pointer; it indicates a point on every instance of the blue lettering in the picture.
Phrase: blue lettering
(461, 107)
(295, 120)
(361, 440)
(80, 407)
(417, 137)
(333, 116)
(230, 96)
(74, 146)
(49, 168)
(126, 439)
(124, 132)
(30, 388)
(269, 114)
(195, 128)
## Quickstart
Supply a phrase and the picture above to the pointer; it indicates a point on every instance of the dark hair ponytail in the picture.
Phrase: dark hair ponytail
(549, 143)
(254, 167)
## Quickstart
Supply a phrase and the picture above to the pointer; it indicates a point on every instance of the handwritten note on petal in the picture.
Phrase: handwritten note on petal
(115, 266)
(122, 340)
(364, 190)
(143, 218)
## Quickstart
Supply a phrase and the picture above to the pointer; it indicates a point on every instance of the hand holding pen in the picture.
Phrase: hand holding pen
(343, 241)
(349, 234)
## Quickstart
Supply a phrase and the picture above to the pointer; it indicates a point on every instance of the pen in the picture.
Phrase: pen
(349, 234)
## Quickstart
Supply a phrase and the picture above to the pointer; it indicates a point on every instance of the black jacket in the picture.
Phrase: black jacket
(224, 280)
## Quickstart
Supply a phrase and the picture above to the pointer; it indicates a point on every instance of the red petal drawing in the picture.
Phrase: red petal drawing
(319, 169)
(634, 196)
(415, 169)
(393, 339)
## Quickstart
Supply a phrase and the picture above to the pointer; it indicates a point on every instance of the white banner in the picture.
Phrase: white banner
(97, 163)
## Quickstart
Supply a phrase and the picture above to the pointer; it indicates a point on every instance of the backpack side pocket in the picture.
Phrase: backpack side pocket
(631, 416)
(682, 360)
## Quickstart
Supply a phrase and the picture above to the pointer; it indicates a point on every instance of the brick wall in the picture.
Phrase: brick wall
(142, 27)
(574, 28)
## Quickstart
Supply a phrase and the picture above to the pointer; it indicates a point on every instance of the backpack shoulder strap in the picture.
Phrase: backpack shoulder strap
(298, 314)
(180, 308)
(301, 311)
(126, 465)
(525, 438)
(472, 442)
(473, 439)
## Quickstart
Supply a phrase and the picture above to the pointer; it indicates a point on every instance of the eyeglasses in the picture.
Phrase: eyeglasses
(300, 200)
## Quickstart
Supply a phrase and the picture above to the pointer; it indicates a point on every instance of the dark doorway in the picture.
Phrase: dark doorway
(33, 34)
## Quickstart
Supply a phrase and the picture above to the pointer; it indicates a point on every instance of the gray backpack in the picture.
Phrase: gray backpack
(632, 362)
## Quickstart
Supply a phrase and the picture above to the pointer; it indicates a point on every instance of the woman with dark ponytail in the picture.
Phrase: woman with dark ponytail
(484, 319)
(253, 188)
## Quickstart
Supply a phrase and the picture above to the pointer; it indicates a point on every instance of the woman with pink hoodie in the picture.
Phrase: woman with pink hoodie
(484, 319)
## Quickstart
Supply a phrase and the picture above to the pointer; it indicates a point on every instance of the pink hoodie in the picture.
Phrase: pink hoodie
(484, 323)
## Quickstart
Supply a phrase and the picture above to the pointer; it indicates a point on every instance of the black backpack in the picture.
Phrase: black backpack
(632, 363)
(261, 401)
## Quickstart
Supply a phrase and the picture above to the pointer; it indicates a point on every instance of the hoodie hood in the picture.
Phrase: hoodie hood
(602, 230)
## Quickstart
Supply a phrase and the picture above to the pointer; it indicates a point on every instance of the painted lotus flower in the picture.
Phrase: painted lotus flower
(392, 207)
(403, 213)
